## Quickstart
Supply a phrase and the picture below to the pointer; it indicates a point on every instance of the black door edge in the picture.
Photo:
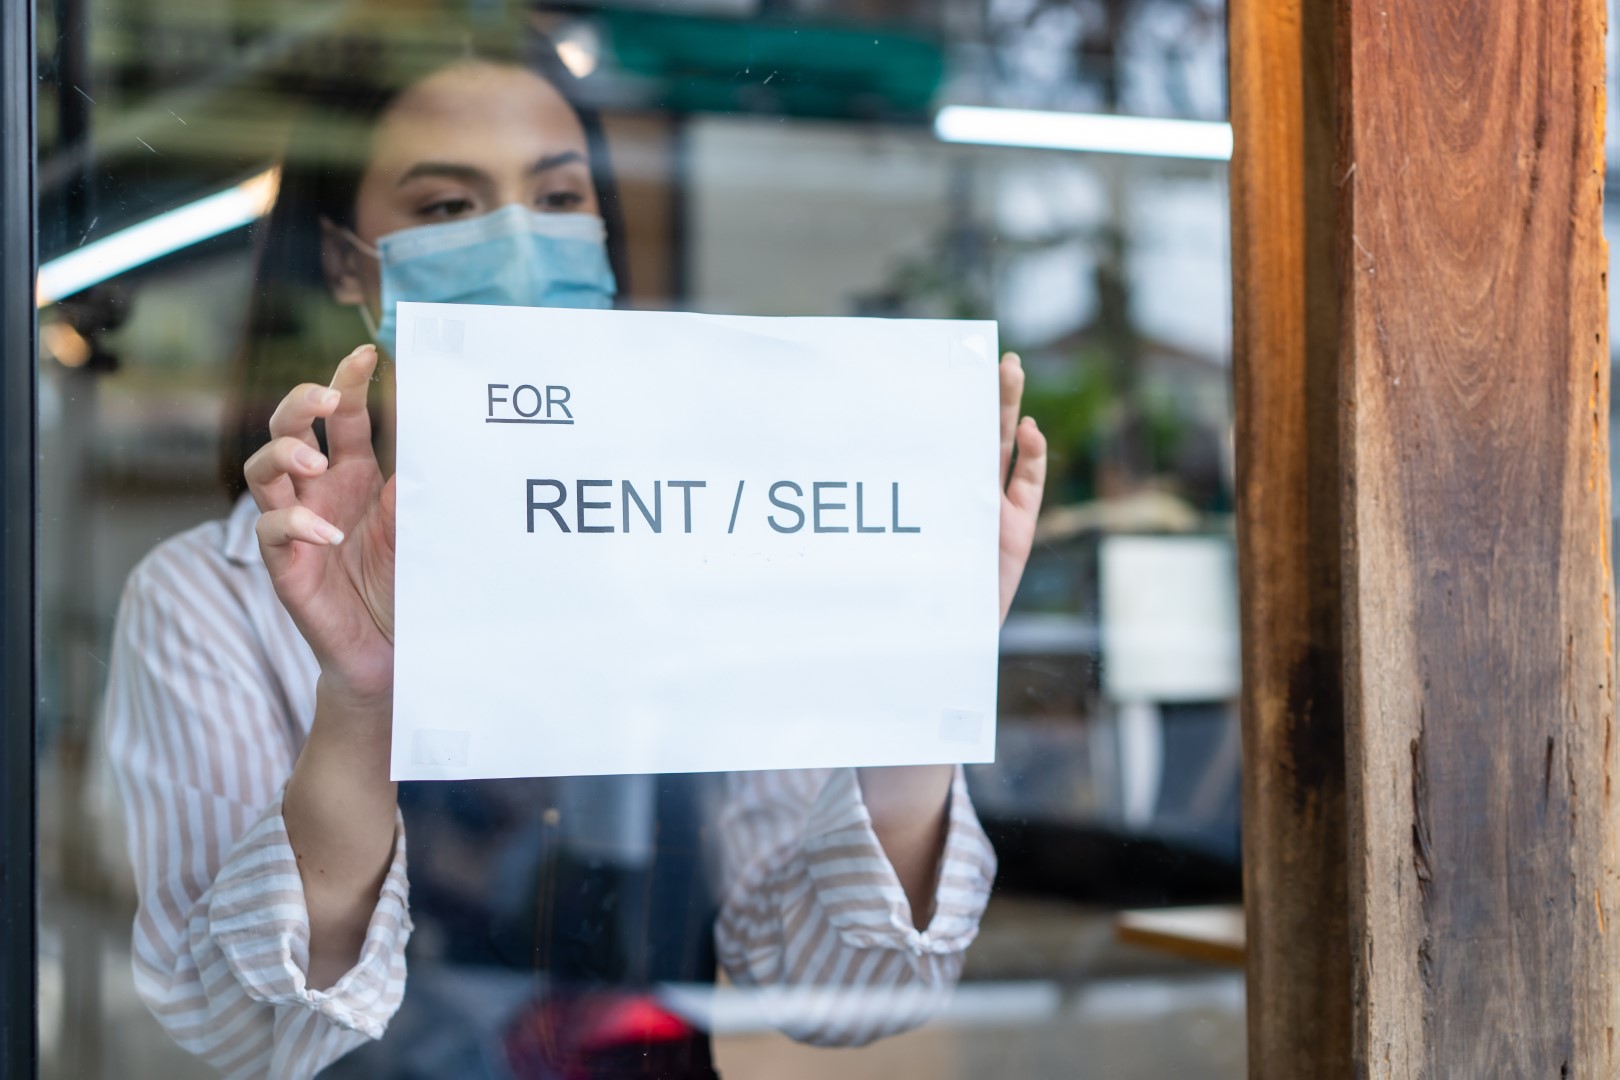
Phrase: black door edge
(19, 1035)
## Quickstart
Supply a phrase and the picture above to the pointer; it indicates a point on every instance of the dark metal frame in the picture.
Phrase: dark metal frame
(19, 1031)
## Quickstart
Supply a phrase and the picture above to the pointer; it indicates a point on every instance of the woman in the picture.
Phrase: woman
(249, 707)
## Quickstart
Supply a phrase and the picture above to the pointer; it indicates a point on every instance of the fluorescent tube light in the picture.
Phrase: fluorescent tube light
(1095, 132)
(156, 237)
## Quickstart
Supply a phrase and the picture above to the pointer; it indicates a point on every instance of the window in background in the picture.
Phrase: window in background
(798, 158)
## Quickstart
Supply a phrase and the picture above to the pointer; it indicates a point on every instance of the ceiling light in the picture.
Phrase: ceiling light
(1094, 132)
(156, 237)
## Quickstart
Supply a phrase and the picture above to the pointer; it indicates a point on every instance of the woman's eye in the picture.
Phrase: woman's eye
(561, 200)
(447, 208)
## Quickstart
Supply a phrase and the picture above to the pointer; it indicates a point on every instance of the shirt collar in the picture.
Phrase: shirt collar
(241, 537)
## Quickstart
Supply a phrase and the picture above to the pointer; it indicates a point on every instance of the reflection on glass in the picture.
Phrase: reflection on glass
(224, 199)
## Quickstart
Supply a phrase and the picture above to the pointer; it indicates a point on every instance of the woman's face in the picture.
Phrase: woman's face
(464, 141)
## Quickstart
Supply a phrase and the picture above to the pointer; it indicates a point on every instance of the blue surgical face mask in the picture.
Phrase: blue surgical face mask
(514, 256)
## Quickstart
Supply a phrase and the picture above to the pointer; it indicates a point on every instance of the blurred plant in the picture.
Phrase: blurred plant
(1073, 413)
(1102, 443)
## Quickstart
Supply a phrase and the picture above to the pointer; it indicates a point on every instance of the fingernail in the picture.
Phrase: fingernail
(330, 397)
(330, 533)
(308, 459)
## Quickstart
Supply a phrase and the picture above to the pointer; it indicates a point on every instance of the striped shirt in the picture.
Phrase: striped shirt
(211, 695)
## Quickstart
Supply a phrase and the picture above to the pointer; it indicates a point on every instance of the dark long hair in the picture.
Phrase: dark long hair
(295, 331)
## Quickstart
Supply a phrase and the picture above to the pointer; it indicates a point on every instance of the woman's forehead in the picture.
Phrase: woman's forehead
(477, 112)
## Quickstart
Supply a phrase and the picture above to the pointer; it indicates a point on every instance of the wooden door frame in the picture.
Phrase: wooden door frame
(1421, 393)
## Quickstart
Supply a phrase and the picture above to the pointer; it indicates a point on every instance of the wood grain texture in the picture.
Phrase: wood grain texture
(1285, 371)
(1478, 631)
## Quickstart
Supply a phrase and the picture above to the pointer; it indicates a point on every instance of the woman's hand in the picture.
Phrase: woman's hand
(327, 530)
(908, 803)
(1023, 479)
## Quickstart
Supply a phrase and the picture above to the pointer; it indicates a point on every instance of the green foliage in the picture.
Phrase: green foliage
(1073, 412)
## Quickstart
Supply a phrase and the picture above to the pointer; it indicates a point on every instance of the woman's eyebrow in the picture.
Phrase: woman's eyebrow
(551, 161)
(449, 170)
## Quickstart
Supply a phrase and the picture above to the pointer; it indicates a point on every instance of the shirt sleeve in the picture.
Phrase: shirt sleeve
(815, 918)
(200, 745)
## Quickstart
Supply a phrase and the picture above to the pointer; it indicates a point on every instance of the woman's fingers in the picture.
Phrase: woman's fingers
(1012, 396)
(274, 474)
(1028, 478)
(1020, 508)
(348, 428)
(275, 468)
(296, 415)
(342, 405)
(280, 528)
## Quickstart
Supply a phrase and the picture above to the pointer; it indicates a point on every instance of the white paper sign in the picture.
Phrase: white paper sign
(634, 542)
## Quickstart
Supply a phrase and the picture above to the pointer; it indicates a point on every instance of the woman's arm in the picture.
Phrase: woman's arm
(327, 537)
(340, 807)
(201, 743)
(815, 915)
(908, 803)
(272, 923)
(908, 808)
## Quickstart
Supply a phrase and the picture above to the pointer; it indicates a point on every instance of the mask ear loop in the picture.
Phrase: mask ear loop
(371, 322)
(366, 316)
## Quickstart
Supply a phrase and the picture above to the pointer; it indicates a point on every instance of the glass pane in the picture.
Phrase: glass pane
(224, 885)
